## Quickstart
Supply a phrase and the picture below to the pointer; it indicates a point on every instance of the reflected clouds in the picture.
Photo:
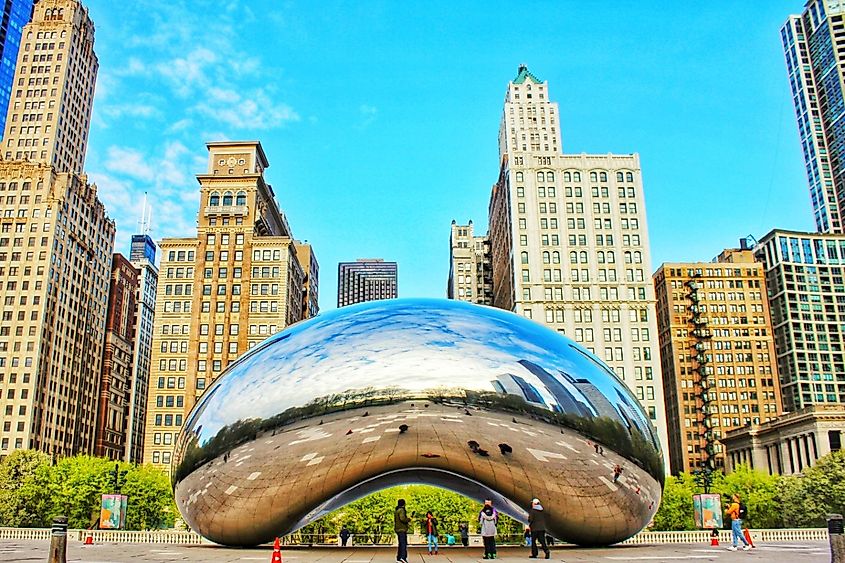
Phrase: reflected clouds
(423, 362)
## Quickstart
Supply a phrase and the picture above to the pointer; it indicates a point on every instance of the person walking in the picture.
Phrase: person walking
(736, 510)
(400, 526)
(463, 529)
(537, 523)
(431, 532)
(488, 518)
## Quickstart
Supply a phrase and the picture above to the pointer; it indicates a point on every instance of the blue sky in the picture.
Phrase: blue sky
(380, 119)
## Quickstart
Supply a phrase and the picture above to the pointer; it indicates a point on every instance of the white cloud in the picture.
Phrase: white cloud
(258, 111)
(129, 162)
(368, 114)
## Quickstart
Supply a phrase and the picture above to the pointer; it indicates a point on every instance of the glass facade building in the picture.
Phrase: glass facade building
(16, 14)
(814, 47)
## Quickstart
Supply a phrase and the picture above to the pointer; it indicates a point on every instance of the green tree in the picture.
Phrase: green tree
(76, 485)
(150, 503)
(24, 495)
(807, 500)
(760, 492)
(676, 511)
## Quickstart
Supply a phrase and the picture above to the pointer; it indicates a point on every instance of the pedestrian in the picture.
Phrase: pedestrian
(488, 518)
(400, 526)
(596, 446)
(431, 532)
(537, 522)
(737, 511)
(463, 529)
(344, 536)
(617, 472)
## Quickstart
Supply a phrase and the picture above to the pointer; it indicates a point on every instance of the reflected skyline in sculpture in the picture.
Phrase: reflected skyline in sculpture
(308, 421)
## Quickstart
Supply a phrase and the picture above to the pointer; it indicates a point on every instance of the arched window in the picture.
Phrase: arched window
(611, 257)
(603, 176)
(240, 199)
(620, 177)
(638, 257)
(524, 257)
(600, 257)
(541, 177)
(629, 176)
(628, 258)
(227, 198)
(61, 13)
(519, 176)
(576, 176)
(594, 177)
(567, 177)
(214, 199)
(550, 176)
(546, 258)
(583, 256)
(573, 257)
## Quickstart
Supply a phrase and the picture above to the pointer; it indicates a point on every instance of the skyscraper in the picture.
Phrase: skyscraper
(366, 279)
(50, 110)
(55, 243)
(807, 297)
(311, 282)
(222, 292)
(470, 269)
(143, 258)
(115, 381)
(814, 45)
(16, 14)
(569, 242)
(717, 353)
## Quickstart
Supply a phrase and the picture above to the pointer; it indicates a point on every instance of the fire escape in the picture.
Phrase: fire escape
(702, 384)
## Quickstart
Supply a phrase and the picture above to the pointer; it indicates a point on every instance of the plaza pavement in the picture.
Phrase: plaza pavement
(32, 551)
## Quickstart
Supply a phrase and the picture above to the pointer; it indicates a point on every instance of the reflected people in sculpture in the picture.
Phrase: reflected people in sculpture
(470, 398)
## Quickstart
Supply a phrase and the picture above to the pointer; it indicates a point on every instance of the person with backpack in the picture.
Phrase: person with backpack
(537, 523)
(737, 511)
(400, 526)
(488, 518)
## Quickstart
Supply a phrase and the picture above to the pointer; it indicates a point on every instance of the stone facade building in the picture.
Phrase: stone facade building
(366, 279)
(222, 292)
(470, 266)
(717, 352)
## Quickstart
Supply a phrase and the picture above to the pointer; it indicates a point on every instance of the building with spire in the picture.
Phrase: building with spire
(569, 242)
(56, 242)
(222, 292)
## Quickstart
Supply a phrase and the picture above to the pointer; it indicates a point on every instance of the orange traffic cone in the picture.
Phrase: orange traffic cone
(89, 538)
(277, 552)
(714, 538)
(747, 535)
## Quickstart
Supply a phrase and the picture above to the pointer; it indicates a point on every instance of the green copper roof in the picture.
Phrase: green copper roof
(524, 74)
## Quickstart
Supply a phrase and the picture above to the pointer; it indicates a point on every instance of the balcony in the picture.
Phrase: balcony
(226, 210)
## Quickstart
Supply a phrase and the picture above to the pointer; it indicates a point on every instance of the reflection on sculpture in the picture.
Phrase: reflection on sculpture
(470, 398)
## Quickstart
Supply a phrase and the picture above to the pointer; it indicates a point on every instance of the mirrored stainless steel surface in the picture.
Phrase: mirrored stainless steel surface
(470, 398)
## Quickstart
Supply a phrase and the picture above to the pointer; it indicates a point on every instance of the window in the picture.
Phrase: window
(241, 198)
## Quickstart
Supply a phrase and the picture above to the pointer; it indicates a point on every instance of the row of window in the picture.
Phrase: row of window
(225, 238)
(228, 198)
(548, 176)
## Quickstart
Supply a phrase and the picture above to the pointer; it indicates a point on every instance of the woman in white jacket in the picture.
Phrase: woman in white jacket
(488, 518)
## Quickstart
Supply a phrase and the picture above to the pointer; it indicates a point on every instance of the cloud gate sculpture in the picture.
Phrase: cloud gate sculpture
(474, 399)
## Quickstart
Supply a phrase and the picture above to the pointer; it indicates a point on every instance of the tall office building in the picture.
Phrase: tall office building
(366, 279)
(222, 292)
(804, 276)
(16, 14)
(50, 109)
(55, 251)
(143, 258)
(115, 381)
(717, 352)
(569, 242)
(814, 45)
(470, 268)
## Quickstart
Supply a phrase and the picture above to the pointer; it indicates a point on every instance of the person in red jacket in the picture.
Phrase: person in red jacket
(736, 515)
